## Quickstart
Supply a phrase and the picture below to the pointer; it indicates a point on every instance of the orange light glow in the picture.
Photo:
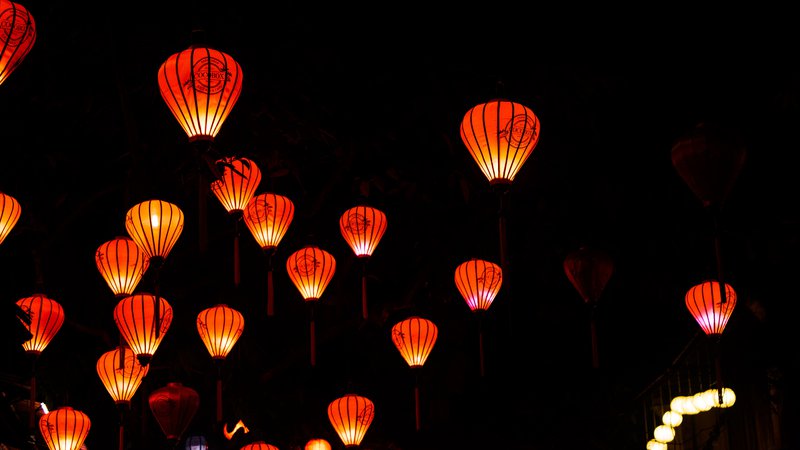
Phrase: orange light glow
(239, 426)
(268, 217)
(64, 428)
(705, 303)
(414, 338)
(174, 407)
(122, 265)
(17, 35)
(46, 316)
(10, 211)
(238, 183)
(155, 226)
(362, 227)
(351, 416)
(220, 327)
(135, 319)
(478, 281)
(121, 382)
(317, 444)
(259, 445)
(311, 269)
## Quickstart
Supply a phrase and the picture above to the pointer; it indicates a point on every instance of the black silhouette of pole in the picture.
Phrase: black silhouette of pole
(32, 405)
(312, 332)
(364, 309)
(479, 313)
(270, 284)
(121, 433)
(722, 295)
(218, 363)
(237, 278)
(593, 329)
(417, 410)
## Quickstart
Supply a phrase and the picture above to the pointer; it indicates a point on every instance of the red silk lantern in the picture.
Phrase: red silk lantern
(135, 317)
(414, 338)
(589, 271)
(311, 269)
(317, 444)
(155, 226)
(64, 428)
(362, 227)
(500, 135)
(708, 308)
(17, 35)
(479, 282)
(200, 86)
(46, 316)
(238, 183)
(10, 211)
(121, 381)
(260, 445)
(351, 417)
(174, 407)
(220, 328)
(122, 264)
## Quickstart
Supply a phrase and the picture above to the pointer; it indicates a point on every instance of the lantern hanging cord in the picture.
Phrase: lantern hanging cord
(718, 254)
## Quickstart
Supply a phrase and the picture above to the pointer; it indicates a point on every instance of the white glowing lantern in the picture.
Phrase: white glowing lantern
(664, 433)
(672, 419)
(653, 444)
(702, 402)
(728, 397)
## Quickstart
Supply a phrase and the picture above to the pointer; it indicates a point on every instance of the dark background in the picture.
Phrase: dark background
(342, 106)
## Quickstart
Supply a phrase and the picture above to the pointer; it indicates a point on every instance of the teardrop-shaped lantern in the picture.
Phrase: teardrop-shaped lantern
(122, 264)
(10, 211)
(268, 217)
(135, 317)
(220, 327)
(351, 416)
(709, 309)
(414, 338)
(589, 270)
(479, 282)
(17, 35)
(155, 226)
(174, 407)
(64, 428)
(238, 183)
(259, 445)
(311, 269)
(709, 160)
(46, 316)
(200, 85)
(121, 380)
(317, 444)
(362, 227)
(500, 135)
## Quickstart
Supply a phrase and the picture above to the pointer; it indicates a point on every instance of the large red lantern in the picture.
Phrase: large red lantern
(155, 226)
(174, 407)
(121, 380)
(311, 269)
(414, 338)
(122, 264)
(363, 227)
(10, 211)
(200, 85)
(135, 317)
(64, 428)
(268, 217)
(259, 445)
(351, 417)
(47, 317)
(17, 35)
(709, 308)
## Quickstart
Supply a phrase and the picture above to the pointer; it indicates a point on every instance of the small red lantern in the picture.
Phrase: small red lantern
(10, 211)
(122, 265)
(238, 183)
(155, 226)
(414, 338)
(363, 227)
(64, 428)
(311, 269)
(46, 316)
(220, 328)
(260, 445)
(17, 35)
(135, 317)
(710, 309)
(121, 380)
(350, 417)
(174, 407)
(317, 444)
(479, 282)
(200, 85)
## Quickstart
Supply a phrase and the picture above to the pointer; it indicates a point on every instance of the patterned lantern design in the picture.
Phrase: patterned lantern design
(351, 416)
(500, 135)
(121, 380)
(122, 264)
(174, 407)
(311, 269)
(268, 216)
(135, 317)
(200, 86)
(64, 428)
(238, 183)
(155, 226)
(220, 327)
(709, 309)
(414, 338)
(479, 282)
(46, 316)
(259, 445)
(17, 35)
(317, 444)
(10, 211)
(362, 227)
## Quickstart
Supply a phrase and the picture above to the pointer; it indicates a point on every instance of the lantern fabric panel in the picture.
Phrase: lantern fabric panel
(414, 338)
(122, 264)
(135, 319)
(10, 211)
(705, 304)
(200, 86)
(362, 227)
(500, 135)
(64, 428)
(17, 35)
(47, 317)
(350, 417)
(317, 444)
(268, 217)
(220, 328)
(155, 226)
(174, 407)
(479, 282)
(260, 445)
(121, 382)
(238, 183)
(589, 271)
(311, 269)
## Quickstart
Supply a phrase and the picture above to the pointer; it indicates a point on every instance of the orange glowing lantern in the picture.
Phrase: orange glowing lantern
(220, 327)
(17, 35)
(414, 338)
(710, 309)
(64, 428)
(155, 226)
(317, 444)
(174, 407)
(46, 316)
(363, 227)
(350, 417)
(10, 211)
(121, 380)
(500, 135)
(268, 217)
(479, 282)
(238, 183)
(260, 445)
(122, 264)
(135, 317)
(311, 269)
(200, 85)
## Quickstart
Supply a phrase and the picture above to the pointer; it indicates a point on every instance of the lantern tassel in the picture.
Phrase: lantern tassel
(416, 401)
(364, 309)
(236, 268)
(312, 338)
(121, 428)
(480, 343)
(219, 395)
(32, 405)
(270, 288)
